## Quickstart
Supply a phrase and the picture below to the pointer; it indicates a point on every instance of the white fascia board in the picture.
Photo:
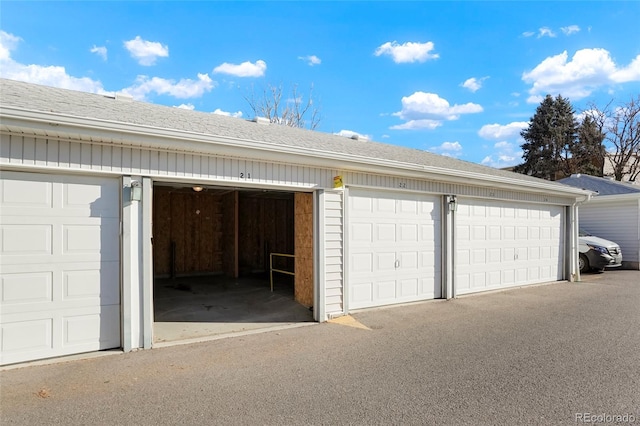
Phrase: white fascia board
(111, 132)
(605, 199)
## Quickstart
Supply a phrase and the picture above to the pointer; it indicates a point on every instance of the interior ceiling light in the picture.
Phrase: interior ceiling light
(197, 188)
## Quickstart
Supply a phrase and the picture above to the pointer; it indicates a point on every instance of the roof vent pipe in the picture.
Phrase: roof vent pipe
(261, 120)
(123, 97)
(355, 137)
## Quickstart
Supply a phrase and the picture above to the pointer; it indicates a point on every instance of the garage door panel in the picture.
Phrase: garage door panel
(509, 276)
(361, 232)
(408, 232)
(509, 244)
(493, 255)
(361, 292)
(88, 329)
(26, 240)
(408, 207)
(60, 267)
(429, 289)
(40, 194)
(22, 288)
(362, 263)
(385, 262)
(404, 245)
(27, 336)
(385, 232)
(96, 195)
(407, 260)
(384, 290)
(408, 288)
(429, 259)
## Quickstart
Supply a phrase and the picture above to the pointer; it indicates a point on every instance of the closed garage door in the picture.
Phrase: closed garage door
(59, 264)
(394, 248)
(504, 244)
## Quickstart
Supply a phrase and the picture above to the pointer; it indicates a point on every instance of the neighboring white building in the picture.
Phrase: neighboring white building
(608, 169)
(81, 172)
(613, 214)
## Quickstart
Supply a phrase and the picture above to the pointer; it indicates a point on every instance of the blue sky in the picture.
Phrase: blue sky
(456, 78)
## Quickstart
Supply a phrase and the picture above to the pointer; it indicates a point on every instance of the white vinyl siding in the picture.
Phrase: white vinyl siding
(503, 244)
(60, 268)
(23, 151)
(394, 248)
(617, 221)
(61, 154)
(333, 246)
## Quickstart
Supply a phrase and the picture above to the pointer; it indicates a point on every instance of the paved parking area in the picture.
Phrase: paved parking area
(553, 354)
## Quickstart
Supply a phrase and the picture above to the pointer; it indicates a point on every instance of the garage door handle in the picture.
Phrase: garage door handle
(397, 264)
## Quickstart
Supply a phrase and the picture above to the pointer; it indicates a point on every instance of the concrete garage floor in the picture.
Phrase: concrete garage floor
(194, 307)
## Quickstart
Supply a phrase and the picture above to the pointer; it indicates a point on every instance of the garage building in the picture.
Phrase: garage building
(102, 196)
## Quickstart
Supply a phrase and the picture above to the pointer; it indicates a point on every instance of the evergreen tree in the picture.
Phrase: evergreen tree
(549, 140)
(588, 154)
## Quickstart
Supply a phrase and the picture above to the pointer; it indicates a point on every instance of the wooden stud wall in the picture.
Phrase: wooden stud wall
(304, 248)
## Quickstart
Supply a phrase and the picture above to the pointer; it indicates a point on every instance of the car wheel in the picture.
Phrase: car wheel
(583, 263)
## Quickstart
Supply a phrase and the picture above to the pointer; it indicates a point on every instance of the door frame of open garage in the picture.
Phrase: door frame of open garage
(304, 228)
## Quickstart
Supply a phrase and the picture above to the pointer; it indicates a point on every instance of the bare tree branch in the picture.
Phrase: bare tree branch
(294, 111)
(621, 125)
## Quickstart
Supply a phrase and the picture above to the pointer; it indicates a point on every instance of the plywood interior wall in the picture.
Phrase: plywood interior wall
(230, 234)
(187, 232)
(233, 233)
(218, 231)
(265, 226)
(303, 248)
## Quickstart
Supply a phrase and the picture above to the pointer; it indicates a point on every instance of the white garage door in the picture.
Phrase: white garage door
(394, 248)
(504, 244)
(60, 266)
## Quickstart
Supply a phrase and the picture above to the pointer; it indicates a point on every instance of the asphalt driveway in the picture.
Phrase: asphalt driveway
(554, 354)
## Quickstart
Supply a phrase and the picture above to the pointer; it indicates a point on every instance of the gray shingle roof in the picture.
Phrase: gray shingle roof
(96, 106)
(600, 185)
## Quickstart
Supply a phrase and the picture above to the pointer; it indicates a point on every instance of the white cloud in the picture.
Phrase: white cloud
(351, 133)
(185, 88)
(449, 149)
(546, 32)
(473, 84)
(579, 77)
(311, 60)
(245, 69)
(146, 52)
(505, 155)
(407, 52)
(571, 29)
(100, 51)
(418, 125)
(498, 131)
(427, 111)
(218, 111)
(189, 107)
(628, 73)
(54, 76)
(8, 43)
(528, 34)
